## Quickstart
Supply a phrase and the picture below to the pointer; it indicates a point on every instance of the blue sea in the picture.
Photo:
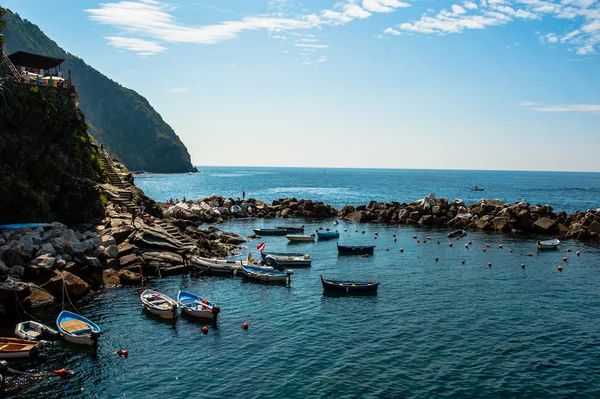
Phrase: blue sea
(438, 327)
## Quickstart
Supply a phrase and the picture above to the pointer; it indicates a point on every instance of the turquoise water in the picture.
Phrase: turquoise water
(435, 328)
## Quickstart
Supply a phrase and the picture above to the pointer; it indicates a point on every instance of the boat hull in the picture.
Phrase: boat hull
(355, 250)
(77, 329)
(197, 307)
(34, 331)
(292, 229)
(265, 275)
(548, 244)
(287, 261)
(270, 232)
(300, 238)
(328, 235)
(349, 286)
(217, 269)
(159, 304)
(13, 348)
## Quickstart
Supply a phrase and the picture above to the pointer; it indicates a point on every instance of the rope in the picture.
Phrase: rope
(67, 292)
(31, 374)
(24, 311)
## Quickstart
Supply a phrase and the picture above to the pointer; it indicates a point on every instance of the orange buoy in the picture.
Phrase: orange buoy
(401, 249)
(484, 249)
(522, 265)
(204, 330)
(560, 268)
(366, 255)
(510, 250)
(568, 249)
(530, 254)
(500, 246)
(487, 245)
(462, 261)
(577, 253)
(489, 264)
(436, 259)
(449, 244)
(564, 258)
(245, 326)
(123, 353)
(62, 372)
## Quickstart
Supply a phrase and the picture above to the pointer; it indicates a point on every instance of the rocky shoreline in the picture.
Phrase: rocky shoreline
(486, 215)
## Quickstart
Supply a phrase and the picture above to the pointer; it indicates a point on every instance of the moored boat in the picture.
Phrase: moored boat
(77, 329)
(328, 235)
(349, 285)
(282, 261)
(270, 232)
(13, 348)
(266, 274)
(34, 331)
(300, 237)
(214, 266)
(292, 229)
(196, 306)
(159, 304)
(548, 244)
(355, 249)
(475, 188)
(457, 233)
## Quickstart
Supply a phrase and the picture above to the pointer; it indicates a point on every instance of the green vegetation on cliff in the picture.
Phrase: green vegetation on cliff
(133, 130)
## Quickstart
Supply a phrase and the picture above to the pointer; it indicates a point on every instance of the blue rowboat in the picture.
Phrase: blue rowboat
(197, 306)
(355, 249)
(270, 232)
(548, 244)
(292, 229)
(269, 275)
(328, 235)
(349, 285)
(77, 329)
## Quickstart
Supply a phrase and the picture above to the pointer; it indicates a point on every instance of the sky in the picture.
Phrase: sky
(487, 84)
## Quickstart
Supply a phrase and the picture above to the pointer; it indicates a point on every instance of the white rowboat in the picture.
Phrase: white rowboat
(159, 304)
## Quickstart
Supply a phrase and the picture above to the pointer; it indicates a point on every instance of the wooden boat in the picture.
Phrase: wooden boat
(159, 304)
(328, 235)
(548, 244)
(355, 249)
(34, 331)
(196, 306)
(214, 266)
(277, 261)
(292, 229)
(457, 233)
(77, 329)
(266, 274)
(349, 286)
(475, 188)
(300, 237)
(13, 348)
(270, 232)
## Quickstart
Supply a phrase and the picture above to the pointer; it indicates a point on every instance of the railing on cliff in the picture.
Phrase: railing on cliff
(11, 67)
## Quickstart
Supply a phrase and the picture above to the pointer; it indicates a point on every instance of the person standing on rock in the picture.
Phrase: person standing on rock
(133, 213)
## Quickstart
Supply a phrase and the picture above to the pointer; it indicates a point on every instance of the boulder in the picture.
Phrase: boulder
(359, 216)
(415, 215)
(17, 271)
(47, 235)
(12, 253)
(125, 248)
(92, 262)
(39, 297)
(112, 251)
(107, 240)
(68, 243)
(157, 258)
(426, 220)
(46, 248)
(3, 268)
(129, 260)
(74, 285)
(129, 277)
(110, 277)
(545, 224)
(501, 224)
(10, 287)
(119, 233)
(45, 261)
(594, 227)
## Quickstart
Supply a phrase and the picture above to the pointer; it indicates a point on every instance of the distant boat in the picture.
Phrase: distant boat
(266, 274)
(292, 229)
(77, 329)
(349, 286)
(355, 249)
(300, 237)
(196, 306)
(270, 232)
(17, 226)
(457, 233)
(548, 244)
(328, 235)
(159, 304)
(34, 331)
(216, 266)
(13, 348)
(283, 260)
(475, 188)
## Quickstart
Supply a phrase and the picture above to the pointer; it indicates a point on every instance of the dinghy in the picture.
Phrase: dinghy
(196, 306)
(270, 232)
(216, 267)
(548, 244)
(282, 261)
(13, 348)
(457, 233)
(349, 285)
(355, 249)
(159, 304)
(34, 331)
(292, 229)
(268, 275)
(77, 329)
(300, 237)
(328, 235)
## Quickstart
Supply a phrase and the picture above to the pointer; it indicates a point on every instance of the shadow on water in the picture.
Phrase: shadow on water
(153, 317)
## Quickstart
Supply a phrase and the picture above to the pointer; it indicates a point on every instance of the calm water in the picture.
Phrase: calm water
(435, 329)
(566, 191)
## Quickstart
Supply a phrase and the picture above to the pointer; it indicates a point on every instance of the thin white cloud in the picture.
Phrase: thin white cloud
(179, 90)
(527, 103)
(392, 31)
(306, 45)
(383, 5)
(469, 5)
(140, 46)
(592, 108)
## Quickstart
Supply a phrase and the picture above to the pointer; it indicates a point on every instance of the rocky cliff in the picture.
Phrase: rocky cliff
(132, 129)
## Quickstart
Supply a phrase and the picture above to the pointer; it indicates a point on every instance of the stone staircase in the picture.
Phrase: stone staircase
(125, 196)
(186, 244)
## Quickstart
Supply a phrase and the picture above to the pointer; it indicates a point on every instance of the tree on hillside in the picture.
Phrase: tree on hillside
(2, 23)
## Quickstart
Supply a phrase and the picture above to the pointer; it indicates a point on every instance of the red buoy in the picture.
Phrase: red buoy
(568, 249)
(522, 265)
(394, 240)
(123, 353)
(577, 253)
(436, 259)
(438, 243)
(375, 237)
(415, 236)
(449, 244)
(363, 232)
(62, 372)
(366, 255)
(510, 250)
(560, 268)
(356, 231)
(204, 330)
(489, 264)
(401, 249)
(418, 241)
(564, 258)
(484, 249)
(320, 227)
(462, 261)
(429, 238)
(487, 245)
(530, 254)
(376, 233)
(393, 235)
(245, 326)
(457, 238)
(345, 229)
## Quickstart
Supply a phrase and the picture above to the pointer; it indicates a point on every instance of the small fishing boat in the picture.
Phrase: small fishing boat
(292, 229)
(266, 274)
(280, 262)
(159, 304)
(297, 254)
(328, 235)
(270, 232)
(34, 331)
(13, 348)
(548, 244)
(475, 188)
(355, 249)
(77, 329)
(349, 286)
(214, 266)
(196, 306)
(457, 233)
(300, 237)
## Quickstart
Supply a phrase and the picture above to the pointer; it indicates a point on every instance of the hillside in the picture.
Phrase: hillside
(133, 130)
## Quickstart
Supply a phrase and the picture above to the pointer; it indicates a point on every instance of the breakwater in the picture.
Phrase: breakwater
(485, 215)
